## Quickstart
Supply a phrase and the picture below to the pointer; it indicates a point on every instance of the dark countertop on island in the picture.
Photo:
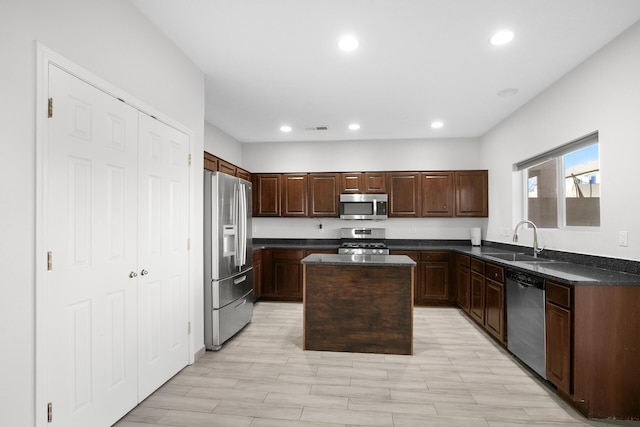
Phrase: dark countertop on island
(572, 272)
(342, 259)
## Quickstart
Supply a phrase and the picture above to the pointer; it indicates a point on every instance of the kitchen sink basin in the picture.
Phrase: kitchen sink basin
(519, 258)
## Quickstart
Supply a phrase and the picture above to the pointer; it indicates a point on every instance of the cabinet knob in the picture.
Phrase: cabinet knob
(133, 274)
(144, 272)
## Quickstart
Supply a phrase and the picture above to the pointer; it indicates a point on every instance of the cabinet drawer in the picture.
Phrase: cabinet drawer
(494, 272)
(559, 294)
(477, 265)
(463, 260)
(432, 256)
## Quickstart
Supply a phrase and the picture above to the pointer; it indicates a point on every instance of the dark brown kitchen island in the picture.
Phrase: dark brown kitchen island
(358, 303)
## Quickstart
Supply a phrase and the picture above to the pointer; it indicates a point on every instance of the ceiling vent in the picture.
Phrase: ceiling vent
(316, 128)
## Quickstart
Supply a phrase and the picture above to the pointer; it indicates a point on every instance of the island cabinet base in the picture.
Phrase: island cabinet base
(362, 309)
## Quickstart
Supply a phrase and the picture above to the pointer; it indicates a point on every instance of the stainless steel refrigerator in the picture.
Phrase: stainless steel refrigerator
(228, 272)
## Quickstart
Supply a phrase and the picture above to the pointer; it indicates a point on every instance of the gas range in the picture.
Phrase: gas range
(363, 241)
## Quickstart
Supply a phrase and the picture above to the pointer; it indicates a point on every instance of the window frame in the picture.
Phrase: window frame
(558, 153)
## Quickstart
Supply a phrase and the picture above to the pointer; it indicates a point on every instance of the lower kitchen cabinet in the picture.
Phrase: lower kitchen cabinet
(486, 295)
(463, 279)
(476, 291)
(433, 285)
(431, 282)
(592, 338)
(558, 336)
(282, 273)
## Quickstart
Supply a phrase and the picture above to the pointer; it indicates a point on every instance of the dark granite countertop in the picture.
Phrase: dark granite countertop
(369, 260)
(570, 269)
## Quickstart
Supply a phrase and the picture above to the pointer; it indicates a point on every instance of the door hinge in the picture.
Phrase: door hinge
(189, 160)
(49, 412)
(50, 109)
(188, 244)
(49, 261)
(188, 328)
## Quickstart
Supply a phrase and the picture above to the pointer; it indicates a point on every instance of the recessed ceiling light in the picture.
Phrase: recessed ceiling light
(348, 43)
(501, 37)
(285, 128)
(506, 93)
(437, 124)
(354, 126)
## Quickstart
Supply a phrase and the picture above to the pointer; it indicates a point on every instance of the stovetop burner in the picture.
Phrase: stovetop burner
(363, 241)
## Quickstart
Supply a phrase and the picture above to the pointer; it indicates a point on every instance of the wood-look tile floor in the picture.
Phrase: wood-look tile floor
(457, 376)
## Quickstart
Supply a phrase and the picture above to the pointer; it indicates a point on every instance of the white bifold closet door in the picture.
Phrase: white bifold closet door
(116, 227)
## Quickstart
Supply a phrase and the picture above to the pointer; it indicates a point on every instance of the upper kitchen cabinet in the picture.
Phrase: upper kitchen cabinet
(323, 194)
(472, 193)
(216, 164)
(404, 194)
(294, 194)
(226, 167)
(210, 162)
(266, 194)
(437, 194)
(363, 182)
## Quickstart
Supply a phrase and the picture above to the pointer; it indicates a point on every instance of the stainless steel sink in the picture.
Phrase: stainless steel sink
(518, 257)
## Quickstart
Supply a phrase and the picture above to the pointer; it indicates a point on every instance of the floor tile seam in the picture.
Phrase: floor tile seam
(173, 411)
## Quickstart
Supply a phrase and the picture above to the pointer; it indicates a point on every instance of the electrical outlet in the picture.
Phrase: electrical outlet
(623, 238)
(506, 232)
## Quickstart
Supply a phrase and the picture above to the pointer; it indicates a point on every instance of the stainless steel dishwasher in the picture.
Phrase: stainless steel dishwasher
(526, 319)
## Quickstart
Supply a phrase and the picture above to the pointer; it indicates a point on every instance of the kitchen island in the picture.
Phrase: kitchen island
(358, 303)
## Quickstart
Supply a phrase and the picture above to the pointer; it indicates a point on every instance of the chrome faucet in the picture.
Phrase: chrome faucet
(536, 251)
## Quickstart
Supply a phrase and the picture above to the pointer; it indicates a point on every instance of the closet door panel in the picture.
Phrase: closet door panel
(90, 229)
(162, 253)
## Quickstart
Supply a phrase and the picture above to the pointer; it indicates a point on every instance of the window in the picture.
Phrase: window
(563, 185)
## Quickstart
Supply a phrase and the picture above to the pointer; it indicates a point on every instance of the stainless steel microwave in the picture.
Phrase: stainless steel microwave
(363, 206)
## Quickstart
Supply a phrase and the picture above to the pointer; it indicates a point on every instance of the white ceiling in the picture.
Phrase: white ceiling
(274, 62)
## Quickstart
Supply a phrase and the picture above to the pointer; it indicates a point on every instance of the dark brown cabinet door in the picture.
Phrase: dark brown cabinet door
(210, 162)
(284, 280)
(266, 194)
(352, 182)
(558, 328)
(472, 193)
(294, 194)
(437, 194)
(463, 277)
(375, 182)
(434, 277)
(494, 308)
(226, 167)
(323, 194)
(244, 174)
(404, 194)
(476, 307)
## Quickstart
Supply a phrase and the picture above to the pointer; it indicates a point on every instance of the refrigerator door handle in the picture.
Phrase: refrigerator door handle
(243, 226)
(240, 256)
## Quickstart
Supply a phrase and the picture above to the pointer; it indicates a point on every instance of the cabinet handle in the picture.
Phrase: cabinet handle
(144, 272)
(133, 274)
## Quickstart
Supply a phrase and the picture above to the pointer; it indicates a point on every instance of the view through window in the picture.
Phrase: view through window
(563, 185)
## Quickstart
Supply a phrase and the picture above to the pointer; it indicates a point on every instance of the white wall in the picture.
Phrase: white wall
(602, 94)
(222, 145)
(115, 42)
(349, 156)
